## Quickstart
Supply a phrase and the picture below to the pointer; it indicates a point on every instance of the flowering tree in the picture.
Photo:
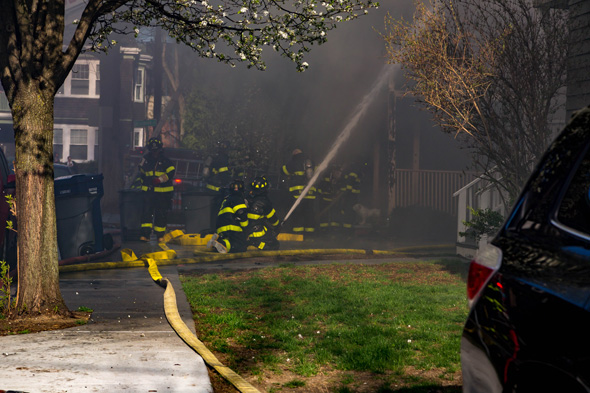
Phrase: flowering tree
(35, 61)
(490, 72)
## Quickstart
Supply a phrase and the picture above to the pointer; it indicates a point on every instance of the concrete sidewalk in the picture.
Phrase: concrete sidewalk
(127, 345)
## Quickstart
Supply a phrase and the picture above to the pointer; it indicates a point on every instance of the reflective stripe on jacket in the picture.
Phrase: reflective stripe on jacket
(153, 168)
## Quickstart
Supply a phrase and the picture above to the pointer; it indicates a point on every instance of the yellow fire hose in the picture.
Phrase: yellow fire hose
(171, 310)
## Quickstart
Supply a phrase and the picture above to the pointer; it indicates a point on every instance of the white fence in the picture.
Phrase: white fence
(429, 188)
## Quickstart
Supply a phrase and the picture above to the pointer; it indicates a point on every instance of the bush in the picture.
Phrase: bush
(483, 222)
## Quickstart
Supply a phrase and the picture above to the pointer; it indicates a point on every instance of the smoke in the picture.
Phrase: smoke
(345, 134)
(313, 105)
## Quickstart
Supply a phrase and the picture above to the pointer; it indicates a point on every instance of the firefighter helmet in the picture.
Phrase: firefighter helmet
(259, 185)
(155, 144)
(236, 187)
(296, 151)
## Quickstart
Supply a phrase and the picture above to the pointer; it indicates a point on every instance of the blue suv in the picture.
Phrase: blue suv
(528, 329)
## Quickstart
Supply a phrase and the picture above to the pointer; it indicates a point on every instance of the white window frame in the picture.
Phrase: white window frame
(91, 140)
(93, 80)
(139, 84)
(83, 142)
(97, 79)
(138, 137)
(58, 139)
(81, 75)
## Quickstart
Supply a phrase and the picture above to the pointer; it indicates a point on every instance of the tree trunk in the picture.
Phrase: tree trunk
(38, 269)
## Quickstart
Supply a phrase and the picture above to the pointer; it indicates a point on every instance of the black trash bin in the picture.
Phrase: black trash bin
(79, 218)
(196, 207)
(130, 209)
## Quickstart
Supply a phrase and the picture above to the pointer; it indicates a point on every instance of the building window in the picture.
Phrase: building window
(79, 144)
(80, 79)
(58, 144)
(138, 137)
(138, 91)
(97, 81)
(96, 152)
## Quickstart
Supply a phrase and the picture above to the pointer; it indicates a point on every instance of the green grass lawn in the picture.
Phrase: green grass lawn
(355, 327)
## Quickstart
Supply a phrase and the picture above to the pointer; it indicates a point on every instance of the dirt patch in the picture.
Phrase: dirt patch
(345, 381)
(42, 323)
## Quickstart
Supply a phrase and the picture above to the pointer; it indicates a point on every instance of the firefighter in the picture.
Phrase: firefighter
(326, 198)
(299, 171)
(352, 190)
(217, 177)
(329, 191)
(262, 217)
(156, 172)
(232, 221)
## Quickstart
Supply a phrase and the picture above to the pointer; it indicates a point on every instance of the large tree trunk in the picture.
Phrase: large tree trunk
(38, 269)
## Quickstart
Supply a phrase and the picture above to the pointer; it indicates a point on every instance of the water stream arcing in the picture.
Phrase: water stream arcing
(357, 115)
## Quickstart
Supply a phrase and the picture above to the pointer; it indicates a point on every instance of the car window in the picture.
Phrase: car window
(60, 171)
(574, 209)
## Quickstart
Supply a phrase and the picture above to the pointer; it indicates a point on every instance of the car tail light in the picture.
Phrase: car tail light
(482, 267)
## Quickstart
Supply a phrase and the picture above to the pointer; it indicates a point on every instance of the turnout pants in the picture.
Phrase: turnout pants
(155, 213)
(234, 241)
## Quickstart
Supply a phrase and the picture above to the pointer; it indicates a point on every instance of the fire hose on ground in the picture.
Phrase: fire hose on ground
(171, 310)
(168, 257)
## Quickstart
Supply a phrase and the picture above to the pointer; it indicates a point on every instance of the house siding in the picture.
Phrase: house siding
(578, 78)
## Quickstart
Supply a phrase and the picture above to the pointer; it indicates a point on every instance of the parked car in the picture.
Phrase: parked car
(61, 170)
(529, 290)
(7, 236)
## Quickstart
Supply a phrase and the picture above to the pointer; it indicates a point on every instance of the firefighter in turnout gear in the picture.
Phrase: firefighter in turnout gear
(352, 190)
(232, 221)
(156, 172)
(216, 171)
(299, 171)
(217, 177)
(329, 191)
(262, 217)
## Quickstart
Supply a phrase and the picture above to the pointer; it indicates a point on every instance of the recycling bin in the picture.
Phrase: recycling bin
(196, 207)
(78, 214)
(130, 208)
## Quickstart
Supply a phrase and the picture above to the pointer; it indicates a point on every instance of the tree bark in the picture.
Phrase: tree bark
(38, 269)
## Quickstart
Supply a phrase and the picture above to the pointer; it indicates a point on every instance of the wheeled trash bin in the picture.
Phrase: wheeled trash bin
(130, 209)
(79, 218)
(196, 207)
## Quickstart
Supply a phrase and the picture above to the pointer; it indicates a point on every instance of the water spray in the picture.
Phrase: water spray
(357, 115)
